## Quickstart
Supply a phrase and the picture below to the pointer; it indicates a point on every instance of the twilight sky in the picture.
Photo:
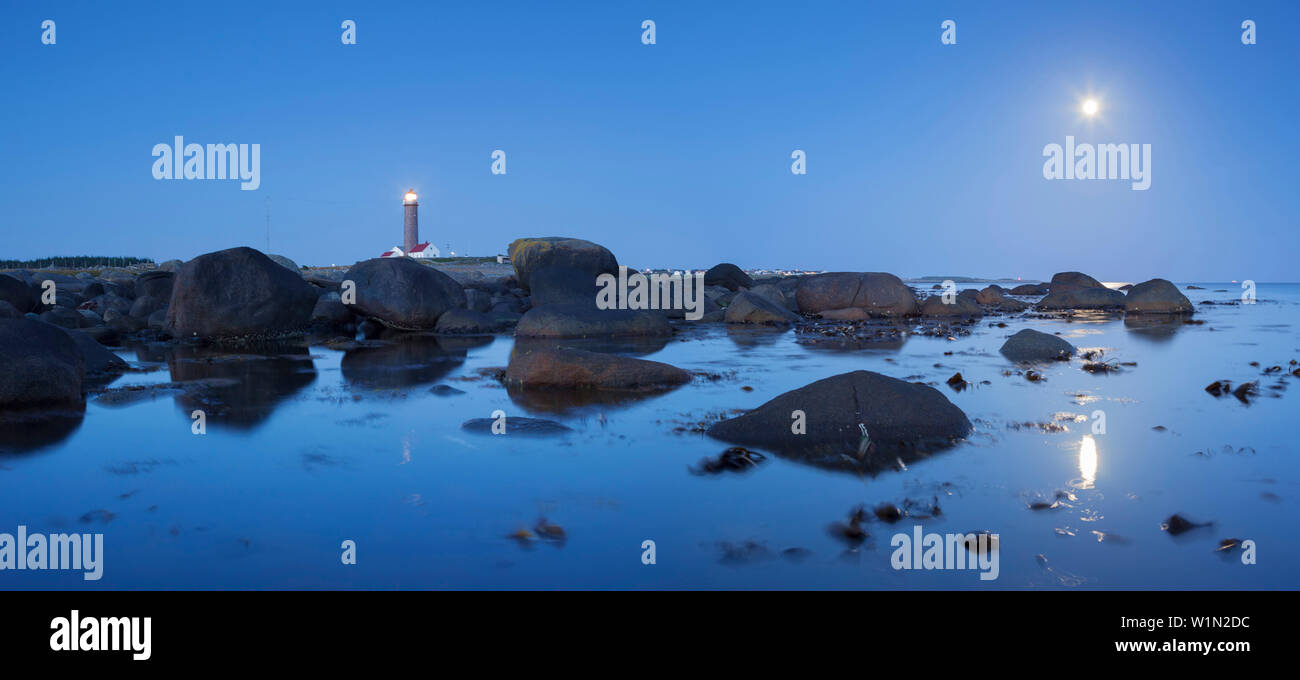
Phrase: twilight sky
(922, 158)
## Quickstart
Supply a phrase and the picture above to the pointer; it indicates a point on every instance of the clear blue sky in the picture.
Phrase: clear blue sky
(922, 158)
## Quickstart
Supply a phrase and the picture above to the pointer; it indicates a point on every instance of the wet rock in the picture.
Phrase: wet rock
(878, 294)
(517, 426)
(1032, 345)
(574, 321)
(8, 311)
(580, 369)
(888, 512)
(965, 307)
(1082, 298)
(528, 255)
(991, 295)
(235, 294)
(40, 365)
(96, 358)
(728, 275)
(1177, 524)
(403, 294)
(465, 322)
(548, 530)
(478, 300)
(1063, 281)
(445, 390)
(1029, 289)
(749, 307)
(331, 311)
(844, 411)
(734, 459)
(1157, 296)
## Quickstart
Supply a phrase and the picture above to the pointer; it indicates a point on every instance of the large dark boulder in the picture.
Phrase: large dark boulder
(1072, 281)
(576, 321)
(17, 293)
(547, 368)
(462, 321)
(531, 254)
(560, 285)
(1082, 298)
(40, 365)
(895, 414)
(729, 276)
(750, 307)
(1032, 345)
(97, 359)
(1156, 296)
(402, 293)
(960, 306)
(157, 284)
(1030, 289)
(876, 293)
(237, 293)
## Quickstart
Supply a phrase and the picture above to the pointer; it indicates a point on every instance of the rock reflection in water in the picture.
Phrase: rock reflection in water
(239, 390)
(26, 431)
(401, 360)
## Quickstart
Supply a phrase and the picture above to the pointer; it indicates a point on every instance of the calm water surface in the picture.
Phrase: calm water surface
(309, 447)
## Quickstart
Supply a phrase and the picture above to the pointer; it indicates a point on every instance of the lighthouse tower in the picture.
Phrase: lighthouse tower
(411, 221)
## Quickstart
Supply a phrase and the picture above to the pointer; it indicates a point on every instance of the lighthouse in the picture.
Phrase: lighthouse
(411, 221)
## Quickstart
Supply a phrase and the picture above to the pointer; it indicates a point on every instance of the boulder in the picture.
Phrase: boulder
(576, 321)
(1032, 345)
(402, 293)
(879, 294)
(286, 263)
(172, 266)
(8, 311)
(40, 365)
(64, 317)
(478, 300)
(330, 310)
(1082, 298)
(16, 293)
(772, 293)
(145, 305)
(461, 321)
(237, 293)
(729, 276)
(580, 369)
(748, 307)
(531, 254)
(961, 306)
(96, 358)
(836, 409)
(560, 285)
(156, 284)
(991, 295)
(1072, 281)
(1156, 296)
(1029, 289)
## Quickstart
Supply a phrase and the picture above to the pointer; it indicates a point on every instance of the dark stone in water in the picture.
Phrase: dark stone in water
(40, 365)
(847, 418)
(1177, 524)
(1032, 345)
(445, 390)
(518, 426)
(238, 293)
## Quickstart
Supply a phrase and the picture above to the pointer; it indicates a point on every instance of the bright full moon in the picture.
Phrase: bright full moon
(1090, 107)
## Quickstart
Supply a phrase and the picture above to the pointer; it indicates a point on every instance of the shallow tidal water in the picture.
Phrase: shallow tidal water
(311, 446)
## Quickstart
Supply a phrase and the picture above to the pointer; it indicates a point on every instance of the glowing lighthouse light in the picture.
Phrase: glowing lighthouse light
(410, 196)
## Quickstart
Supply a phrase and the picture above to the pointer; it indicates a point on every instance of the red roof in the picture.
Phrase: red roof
(419, 247)
(387, 253)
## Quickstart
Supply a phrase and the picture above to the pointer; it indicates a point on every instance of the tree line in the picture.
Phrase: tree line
(74, 262)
